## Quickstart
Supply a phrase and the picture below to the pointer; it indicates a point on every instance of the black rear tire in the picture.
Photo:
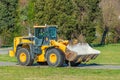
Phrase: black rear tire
(58, 61)
(24, 53)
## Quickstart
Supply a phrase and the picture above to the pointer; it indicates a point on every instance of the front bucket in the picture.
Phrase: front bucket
(83, 52)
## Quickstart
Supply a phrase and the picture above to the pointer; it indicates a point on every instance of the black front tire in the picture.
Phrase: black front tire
(28, 61)
(60, 58)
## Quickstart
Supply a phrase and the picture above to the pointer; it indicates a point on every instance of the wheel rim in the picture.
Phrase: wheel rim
(23, 57)
(53, 58)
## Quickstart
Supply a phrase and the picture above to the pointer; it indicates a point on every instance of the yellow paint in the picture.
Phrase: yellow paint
(25, 41)
(60, 45)
(41, 57)
(39, 26)
(23, 57)
(53, 58)
(17, 41)
(44, 26)
(11, 53)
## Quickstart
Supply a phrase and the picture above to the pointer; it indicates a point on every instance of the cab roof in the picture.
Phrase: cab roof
(45, 26)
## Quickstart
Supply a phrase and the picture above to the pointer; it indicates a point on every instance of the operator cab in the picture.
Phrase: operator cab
(44, 34)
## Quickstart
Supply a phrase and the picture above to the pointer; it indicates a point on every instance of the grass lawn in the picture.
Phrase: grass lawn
(51, 73)
(5, 57)
(109, 55)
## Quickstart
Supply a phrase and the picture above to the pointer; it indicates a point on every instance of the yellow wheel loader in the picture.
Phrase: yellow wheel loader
(44, 47)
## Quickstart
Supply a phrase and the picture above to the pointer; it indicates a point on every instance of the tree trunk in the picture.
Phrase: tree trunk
(116, 39)
(0, 42)
(104, 35)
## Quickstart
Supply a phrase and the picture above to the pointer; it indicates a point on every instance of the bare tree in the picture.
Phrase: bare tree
(110, 11)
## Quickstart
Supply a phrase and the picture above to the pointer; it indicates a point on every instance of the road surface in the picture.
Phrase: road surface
(98, 66)
(4, 50)
(81, 66)
(7, 63)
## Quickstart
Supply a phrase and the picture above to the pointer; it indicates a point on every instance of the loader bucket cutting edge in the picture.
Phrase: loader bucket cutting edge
(81, 52)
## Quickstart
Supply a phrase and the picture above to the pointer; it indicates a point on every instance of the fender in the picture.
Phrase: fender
(30, 48)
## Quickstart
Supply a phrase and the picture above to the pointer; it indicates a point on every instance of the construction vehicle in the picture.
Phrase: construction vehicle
(44, 47)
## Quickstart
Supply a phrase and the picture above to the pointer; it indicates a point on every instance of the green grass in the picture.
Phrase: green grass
(7, 58)
(110, 54)
(51, 73)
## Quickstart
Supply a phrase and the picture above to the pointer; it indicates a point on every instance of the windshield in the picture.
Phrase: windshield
(39, 32)
(52, 32)
(49, 32)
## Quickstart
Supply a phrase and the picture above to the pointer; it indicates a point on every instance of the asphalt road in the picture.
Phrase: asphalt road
(4, 50)
(81, 66)
(98, 66)
(7, 63)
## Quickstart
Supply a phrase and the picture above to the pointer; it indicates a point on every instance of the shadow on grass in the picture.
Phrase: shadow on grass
(65, 65)
(86, 65)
